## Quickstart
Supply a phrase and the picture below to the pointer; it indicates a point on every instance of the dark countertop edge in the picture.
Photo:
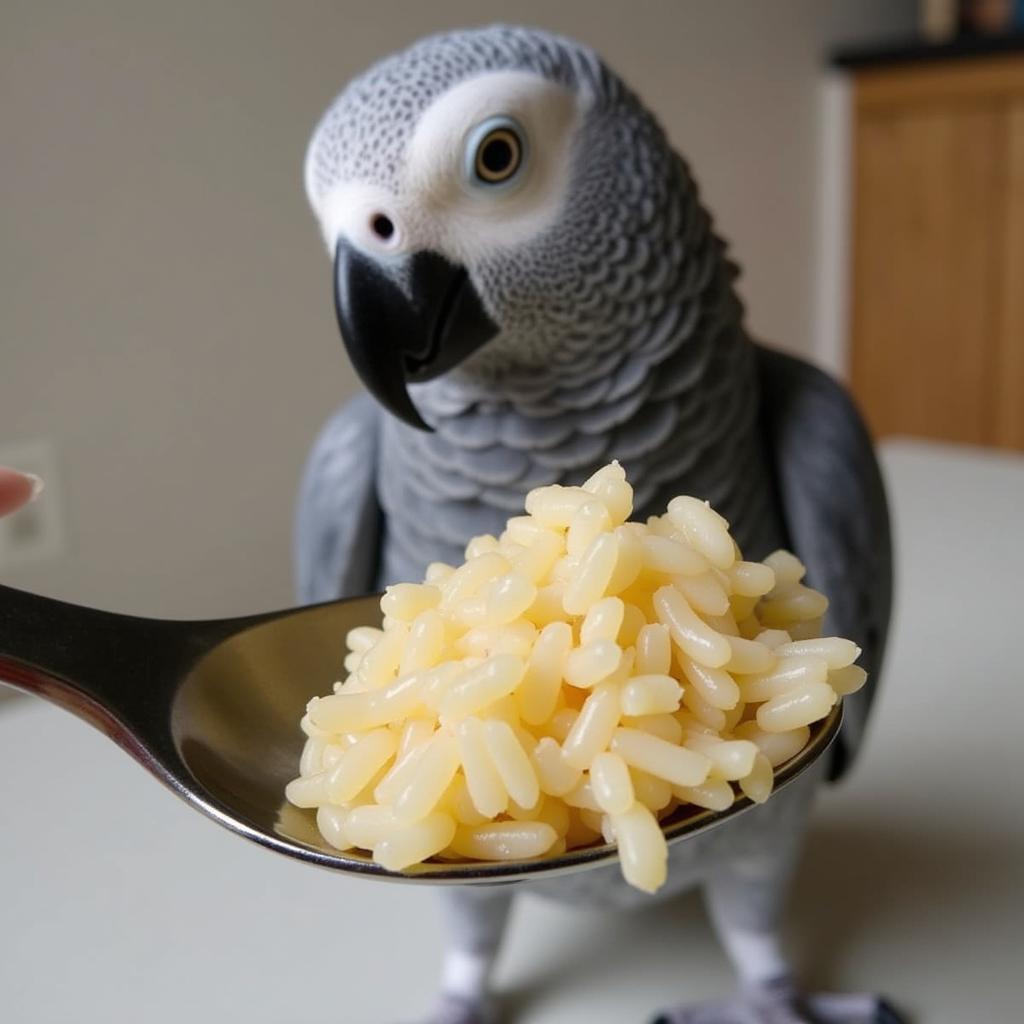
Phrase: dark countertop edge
(919, 51)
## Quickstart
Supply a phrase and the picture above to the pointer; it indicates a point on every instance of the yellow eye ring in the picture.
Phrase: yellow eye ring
(496, 153)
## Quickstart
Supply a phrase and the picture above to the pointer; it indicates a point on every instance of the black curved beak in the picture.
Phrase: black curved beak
(395, 335)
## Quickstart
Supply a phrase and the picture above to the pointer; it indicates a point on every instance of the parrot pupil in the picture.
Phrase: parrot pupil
(497, 155)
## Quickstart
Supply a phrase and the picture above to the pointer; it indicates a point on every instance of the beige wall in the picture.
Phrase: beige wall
(165, 311)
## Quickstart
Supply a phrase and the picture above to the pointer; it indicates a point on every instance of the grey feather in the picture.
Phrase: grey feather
(338, 522)
(835, 512)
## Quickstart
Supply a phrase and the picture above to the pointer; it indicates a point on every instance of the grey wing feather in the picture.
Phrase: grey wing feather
(834, 507)
(339, 521)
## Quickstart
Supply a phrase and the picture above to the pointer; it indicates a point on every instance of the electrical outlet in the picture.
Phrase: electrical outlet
(35, 532)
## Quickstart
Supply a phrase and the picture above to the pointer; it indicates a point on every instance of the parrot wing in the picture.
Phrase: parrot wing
(339, 521)
(835, 511)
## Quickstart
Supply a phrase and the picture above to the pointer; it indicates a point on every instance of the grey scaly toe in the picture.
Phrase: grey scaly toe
(780, 1002)
(452, 1009)
(852, 1008)
(775, 1002)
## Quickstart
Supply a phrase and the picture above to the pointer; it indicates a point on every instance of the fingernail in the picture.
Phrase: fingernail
(37, 485)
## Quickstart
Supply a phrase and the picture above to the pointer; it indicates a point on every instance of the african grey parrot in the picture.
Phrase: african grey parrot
(529, 286)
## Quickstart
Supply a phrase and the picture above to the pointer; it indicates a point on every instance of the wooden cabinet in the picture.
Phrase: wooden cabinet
(937, 297)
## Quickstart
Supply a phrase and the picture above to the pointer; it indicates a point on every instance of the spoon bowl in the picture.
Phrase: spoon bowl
(212, 708)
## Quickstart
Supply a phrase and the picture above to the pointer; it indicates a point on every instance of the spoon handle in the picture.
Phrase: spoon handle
(116, 671)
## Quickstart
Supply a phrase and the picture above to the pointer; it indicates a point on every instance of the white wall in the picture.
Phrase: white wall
(165, 310)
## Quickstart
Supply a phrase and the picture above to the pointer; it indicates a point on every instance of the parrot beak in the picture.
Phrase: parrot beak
(395, 336)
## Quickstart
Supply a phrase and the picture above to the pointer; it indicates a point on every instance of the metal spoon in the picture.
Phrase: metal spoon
(211, 708)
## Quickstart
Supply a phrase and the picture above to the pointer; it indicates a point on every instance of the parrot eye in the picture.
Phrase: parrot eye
(498, 156)
(495, 152)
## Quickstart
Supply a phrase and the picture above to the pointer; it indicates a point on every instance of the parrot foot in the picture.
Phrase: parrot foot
(780, 1002)
(453, 1009)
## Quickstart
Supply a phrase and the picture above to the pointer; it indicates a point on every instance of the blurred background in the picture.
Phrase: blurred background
(168, 352)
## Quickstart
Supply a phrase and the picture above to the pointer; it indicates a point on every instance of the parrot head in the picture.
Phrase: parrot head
(485, 196)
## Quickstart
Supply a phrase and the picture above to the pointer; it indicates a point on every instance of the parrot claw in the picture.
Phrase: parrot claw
(452, 1009)
(780, 1002)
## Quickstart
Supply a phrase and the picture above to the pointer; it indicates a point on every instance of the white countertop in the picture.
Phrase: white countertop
(119, 904)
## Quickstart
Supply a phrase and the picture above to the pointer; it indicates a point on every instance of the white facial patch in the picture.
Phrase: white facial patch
(436, 205)
(467, 219)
